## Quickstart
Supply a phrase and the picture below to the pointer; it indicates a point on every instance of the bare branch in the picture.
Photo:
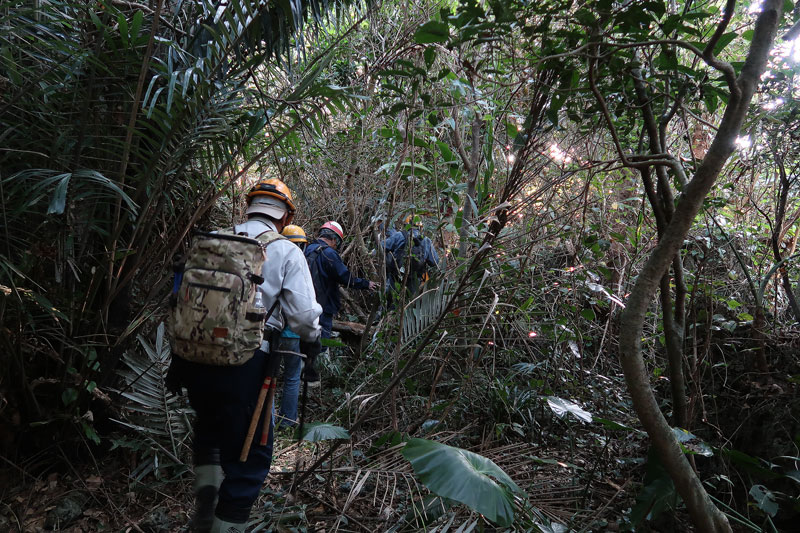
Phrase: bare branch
(604, 108)
(708, 53)
(723, 25)
(459, 144)
(793, 32)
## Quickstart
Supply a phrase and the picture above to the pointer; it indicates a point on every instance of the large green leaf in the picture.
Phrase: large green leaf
(465, 477)
(317, 431)
(432, 32)
(561, 407)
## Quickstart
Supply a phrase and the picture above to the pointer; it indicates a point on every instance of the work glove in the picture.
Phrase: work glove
(311, 351)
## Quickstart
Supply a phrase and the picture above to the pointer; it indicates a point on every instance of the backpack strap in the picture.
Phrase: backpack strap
(315, 253)
(269, 239)
(271, 310)
(311, 258)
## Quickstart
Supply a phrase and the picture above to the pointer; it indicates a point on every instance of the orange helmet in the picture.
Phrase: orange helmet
(294, 234)
(260, 199)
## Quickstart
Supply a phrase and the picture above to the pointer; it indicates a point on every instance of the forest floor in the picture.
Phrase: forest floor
(585, 476)
(366, 489)
(375, 497)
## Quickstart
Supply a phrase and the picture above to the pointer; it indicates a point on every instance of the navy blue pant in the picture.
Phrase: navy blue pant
(326, 324)
(224, 398)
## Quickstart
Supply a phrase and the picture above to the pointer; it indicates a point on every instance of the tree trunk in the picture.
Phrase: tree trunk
(704, 514)
(662, 202)
(673, 340)
(471, 165)
(777, 237)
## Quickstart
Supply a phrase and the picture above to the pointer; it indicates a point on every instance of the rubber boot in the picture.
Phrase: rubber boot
(207, 480)
(221, 526)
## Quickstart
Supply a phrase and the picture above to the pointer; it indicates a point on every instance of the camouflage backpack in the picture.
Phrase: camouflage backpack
(214, 320)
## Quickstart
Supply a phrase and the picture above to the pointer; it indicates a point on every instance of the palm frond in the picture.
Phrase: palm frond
(83, 185)
(424, 310)
(159, 416)
(119, 127)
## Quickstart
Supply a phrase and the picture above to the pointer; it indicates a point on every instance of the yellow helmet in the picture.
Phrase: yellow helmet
(261, 195)
(294, 234)
(414, 220)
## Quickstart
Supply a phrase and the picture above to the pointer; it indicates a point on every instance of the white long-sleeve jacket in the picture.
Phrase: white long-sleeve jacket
(286, 277)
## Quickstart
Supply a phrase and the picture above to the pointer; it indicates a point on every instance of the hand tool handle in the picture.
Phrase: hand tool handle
(251, 431)
(268, 413)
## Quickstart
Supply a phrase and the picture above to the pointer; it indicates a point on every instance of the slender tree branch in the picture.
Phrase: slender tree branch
(123, 168)
(606, 115)
(459, 144)
(713, 62)
(708, 52)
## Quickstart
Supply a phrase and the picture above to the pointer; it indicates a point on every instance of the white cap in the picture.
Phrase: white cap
(266, 205)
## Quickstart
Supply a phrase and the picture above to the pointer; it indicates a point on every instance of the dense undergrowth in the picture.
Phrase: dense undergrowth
(500, 394)
(545, 148)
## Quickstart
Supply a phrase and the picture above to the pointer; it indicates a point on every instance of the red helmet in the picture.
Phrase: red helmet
(334, 227)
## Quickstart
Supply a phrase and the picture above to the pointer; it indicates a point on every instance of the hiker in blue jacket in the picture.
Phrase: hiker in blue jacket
(329, 272)
(423, 258)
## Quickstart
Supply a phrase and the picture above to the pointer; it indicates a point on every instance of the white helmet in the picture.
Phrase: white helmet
(332, 230)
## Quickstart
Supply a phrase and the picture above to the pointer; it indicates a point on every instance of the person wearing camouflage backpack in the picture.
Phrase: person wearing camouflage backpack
(226, 396)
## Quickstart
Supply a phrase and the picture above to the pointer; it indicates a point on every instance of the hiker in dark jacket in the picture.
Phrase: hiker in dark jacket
(329, 272)
(423, 259)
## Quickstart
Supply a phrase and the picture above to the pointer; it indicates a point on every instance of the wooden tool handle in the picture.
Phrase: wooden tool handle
(251, 431)
(268, 413)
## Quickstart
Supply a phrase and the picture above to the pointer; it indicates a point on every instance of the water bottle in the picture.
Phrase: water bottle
(258, 301)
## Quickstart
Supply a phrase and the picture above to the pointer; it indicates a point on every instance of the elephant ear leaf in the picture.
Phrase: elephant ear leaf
(465, 477)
